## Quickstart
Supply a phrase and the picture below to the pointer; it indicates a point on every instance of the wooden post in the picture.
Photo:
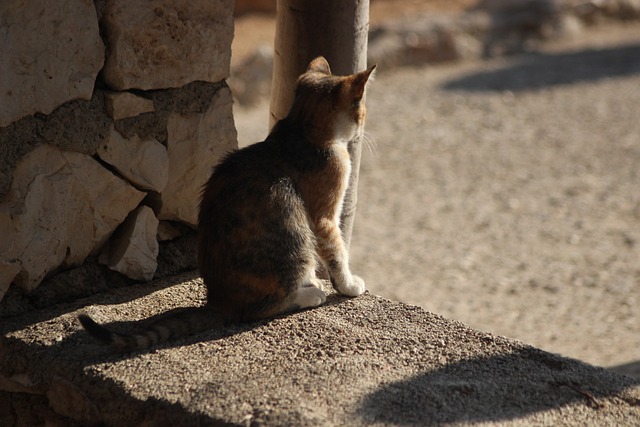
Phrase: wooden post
(337, 30)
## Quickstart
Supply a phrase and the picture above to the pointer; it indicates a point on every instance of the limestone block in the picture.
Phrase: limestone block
(133, 249)
(120, 105)
(195, 144)
(167, 43)
(51, 53)
(144, 162)
(63, 206)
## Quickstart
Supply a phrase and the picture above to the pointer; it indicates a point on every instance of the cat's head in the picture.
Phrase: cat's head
(333, 106)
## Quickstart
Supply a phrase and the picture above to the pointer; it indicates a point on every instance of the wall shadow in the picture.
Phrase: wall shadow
(540, 70)
(102, 399)
(99, 401)
(175, 257)
(71, 359)
(113, 296)
(492, 389)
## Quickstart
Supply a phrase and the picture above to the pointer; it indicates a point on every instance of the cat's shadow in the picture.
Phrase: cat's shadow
(96, 352)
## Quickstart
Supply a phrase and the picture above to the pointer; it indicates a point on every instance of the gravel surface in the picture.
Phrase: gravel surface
(365, 361)
(506, 194)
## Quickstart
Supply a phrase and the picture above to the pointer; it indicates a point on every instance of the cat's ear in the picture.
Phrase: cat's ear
(360, 80)
(321, 65)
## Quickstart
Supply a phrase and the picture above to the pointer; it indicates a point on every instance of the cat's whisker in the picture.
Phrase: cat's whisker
(369, 142)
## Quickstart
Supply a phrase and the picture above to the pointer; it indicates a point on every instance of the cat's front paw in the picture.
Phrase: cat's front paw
(354, 288)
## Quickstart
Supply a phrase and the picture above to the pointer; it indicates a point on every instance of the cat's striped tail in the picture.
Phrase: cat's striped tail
(175, 325)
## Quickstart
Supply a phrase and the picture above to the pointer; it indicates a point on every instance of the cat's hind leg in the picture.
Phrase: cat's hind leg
(307, 293)
(306, 296)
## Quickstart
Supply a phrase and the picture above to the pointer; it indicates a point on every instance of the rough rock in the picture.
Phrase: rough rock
(120, 105)
(67, 400)
(167, 43)
(255, 6)
(133, 249)
(8, 272)
(143, 162)
(352, 362)
(77, 125)
(195, 143)
(621, 9)
(167, 232)
(62, 206)
(39, 40)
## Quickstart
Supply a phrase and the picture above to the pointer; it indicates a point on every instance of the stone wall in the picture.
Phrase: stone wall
(112, 114)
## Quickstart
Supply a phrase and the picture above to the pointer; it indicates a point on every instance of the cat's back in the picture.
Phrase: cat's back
(251, 188)
(259, 159)
(244, 173)
(255, 169)
(253, 224)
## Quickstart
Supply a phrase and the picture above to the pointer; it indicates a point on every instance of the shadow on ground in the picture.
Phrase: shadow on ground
(70, 365)
(369, 342)
(491, 389)
(91, 278)
(113, 296)
(631, 369)
(98, 352)
(540, 70)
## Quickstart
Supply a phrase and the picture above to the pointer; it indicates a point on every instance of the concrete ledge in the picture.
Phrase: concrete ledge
(363, 361)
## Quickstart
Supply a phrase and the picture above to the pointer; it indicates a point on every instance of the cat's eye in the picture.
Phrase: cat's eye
(356, 103)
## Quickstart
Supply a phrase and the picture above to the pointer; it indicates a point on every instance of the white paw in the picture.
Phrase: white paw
(354, 288)
(309, 297)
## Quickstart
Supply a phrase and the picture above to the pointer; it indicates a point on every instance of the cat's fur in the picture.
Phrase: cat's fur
(270, 211)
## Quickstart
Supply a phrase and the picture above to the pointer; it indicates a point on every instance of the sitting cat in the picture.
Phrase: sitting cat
(269, 211)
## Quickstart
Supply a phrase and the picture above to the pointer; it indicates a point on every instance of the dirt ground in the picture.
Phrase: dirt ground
(506, 193)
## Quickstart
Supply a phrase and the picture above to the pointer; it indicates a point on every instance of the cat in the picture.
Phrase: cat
(269, 212)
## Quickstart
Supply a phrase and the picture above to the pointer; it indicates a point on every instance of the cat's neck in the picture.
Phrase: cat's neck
(321, 135)
(344, 129)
